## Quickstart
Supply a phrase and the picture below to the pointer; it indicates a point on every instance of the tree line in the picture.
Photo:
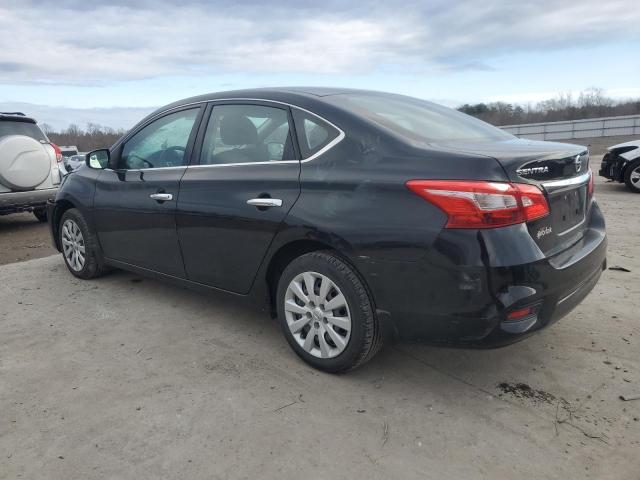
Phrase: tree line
(94, 136)
(590, 103)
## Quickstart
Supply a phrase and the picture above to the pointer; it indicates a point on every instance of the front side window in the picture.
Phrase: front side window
(313, 133)
(162, 143)
(247, 134)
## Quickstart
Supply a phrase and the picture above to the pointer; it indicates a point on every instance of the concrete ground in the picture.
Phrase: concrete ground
(125, 377)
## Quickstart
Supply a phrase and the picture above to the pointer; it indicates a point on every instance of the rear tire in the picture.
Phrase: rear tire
(326, 313)
(79, 246)
(40, 214)
(632, 176)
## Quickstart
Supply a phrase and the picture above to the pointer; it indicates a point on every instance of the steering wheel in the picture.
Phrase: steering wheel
(174, 149)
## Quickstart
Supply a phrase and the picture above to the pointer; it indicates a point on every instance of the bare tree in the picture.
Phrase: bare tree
(591, 103)
(93, 137)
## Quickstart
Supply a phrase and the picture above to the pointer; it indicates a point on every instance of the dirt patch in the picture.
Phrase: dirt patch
(524, 391)
(23, 237)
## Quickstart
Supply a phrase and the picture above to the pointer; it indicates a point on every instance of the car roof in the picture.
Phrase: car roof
(271, 92)
(304, 97)
(15, 117)
(291, 95)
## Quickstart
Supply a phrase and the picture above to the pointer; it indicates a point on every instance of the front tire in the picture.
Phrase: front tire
(326, 313)
(632, 176)
(79, 246)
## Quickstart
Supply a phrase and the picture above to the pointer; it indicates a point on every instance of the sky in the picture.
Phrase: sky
(80, 61)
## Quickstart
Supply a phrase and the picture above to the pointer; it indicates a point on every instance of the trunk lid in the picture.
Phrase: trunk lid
(559, 169)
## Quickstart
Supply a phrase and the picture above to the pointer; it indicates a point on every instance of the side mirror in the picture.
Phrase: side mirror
(98, 159)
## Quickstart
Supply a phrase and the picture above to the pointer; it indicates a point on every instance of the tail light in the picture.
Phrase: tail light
(592, 186)
(56, 148)
(478, 204)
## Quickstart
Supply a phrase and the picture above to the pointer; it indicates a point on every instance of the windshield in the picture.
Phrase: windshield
(416, 119)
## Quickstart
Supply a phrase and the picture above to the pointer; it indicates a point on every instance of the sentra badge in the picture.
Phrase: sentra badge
(532, 170)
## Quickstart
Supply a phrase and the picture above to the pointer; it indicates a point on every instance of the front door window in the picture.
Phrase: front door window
(160, 144)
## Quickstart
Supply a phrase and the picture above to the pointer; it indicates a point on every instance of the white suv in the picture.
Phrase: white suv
(29, 166)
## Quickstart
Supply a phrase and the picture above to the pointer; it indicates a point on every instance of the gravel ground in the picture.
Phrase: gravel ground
(126, 377)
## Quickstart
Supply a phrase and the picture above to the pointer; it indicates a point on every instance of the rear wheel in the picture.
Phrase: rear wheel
(40, 214)
(79, 246)
(326, 313)
(632, 177)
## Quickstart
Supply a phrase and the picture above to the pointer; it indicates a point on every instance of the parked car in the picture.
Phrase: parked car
(622, 164)
(359, 216)
(73, 162)
(69, 151)
(29, 171)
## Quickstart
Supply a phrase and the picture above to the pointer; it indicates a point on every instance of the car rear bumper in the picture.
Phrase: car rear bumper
(436, 300)
(14, 202)
(612, 167)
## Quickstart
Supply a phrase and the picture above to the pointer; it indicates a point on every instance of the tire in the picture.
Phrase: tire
(74, 233)
(40, 214)
(301, 315)
(632, 176)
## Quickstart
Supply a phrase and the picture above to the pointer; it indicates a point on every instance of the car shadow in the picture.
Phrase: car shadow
(19, 221)
(397, 363)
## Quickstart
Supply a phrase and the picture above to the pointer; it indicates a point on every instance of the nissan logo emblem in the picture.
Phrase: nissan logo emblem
(578, 163)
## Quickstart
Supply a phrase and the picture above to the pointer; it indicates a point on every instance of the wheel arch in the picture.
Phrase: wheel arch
(627, 164)
(62, 206)
(287, 253)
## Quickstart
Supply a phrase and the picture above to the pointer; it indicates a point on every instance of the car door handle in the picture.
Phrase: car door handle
(161, 197)
(265, 202)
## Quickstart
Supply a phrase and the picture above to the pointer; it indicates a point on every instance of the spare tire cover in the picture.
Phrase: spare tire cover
(24, 162)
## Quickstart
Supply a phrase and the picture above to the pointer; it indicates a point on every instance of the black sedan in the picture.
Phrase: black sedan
(356, 216)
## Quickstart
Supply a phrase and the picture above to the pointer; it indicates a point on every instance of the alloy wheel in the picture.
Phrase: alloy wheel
(317, 315)
(635, 178)
(73, 246)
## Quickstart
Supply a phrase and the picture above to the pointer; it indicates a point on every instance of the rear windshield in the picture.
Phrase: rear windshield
(417, 120)
(69, 153)
(21, 128)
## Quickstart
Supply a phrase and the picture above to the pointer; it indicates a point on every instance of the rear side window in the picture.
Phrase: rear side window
(247, 134)
(418, 120)
(313, 133)
(21, 128)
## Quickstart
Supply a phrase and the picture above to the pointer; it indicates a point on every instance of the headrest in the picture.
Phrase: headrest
(237, 129)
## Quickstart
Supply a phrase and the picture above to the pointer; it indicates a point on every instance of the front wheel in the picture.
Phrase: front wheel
(632, 177)
(326, 313)
(79, 246)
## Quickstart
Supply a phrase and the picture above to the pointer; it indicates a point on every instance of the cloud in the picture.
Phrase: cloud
(74, 42)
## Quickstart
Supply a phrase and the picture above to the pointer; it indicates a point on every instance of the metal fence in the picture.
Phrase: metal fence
(572, 129)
